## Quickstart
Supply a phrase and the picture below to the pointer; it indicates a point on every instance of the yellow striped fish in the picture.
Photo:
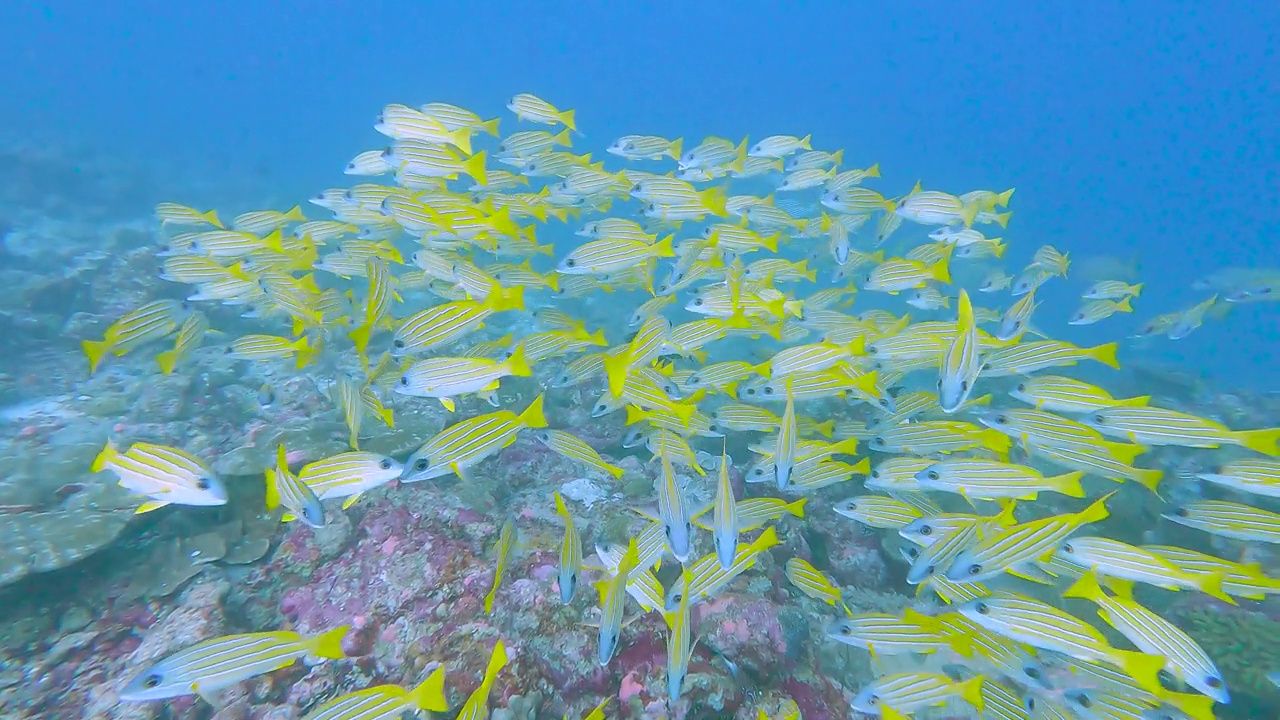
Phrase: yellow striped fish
(466, 443)
(446, 323)
(895, 696)
(570, 553)
(961, 363)
(613, 596)
(1056, 393)
(784, 456)
(1114, 560)
(349, 474)
(445, 378)
(599, 257)
(674, 513)
(882, 634)
(705, 577)
(149, 322)
(724, 522)
(1045, 627)
(575, 448)
(1154, 635)
(477, 705)
(1158, 426)
(814, 583)
(166, 475)
(385, 702)
(190, 334)
(505, 549)
(1259, 477)
(214, 664)
(679, 647)
(1228, 519)
(285, 488)
(1024, 541)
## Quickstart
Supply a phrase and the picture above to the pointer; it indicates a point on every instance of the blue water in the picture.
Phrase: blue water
(1152, 128)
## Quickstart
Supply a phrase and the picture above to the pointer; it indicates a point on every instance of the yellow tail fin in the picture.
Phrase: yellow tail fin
(1105, 354)
(532, 416)
(1266, 441)
(328, 644)
(167, 360)
(567, 117)
(474, 166)
(104, 458)
(430, 694)
(95, 350)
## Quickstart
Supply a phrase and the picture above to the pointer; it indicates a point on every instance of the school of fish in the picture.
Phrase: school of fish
(731, 271)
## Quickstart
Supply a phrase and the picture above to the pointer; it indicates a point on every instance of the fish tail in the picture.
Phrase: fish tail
(613, 470)
(1211, 585)
(95, 350)
(940, 271)
(615, 368)
(273, 493)
(1266, 441)
(105, 457)
(567, 117)
(796, 508)
(474, 166)
(1002, 219)
(295, 214)
(1136, 290)
(360, 336)
(461, 139)
(968, 213)
(1096, 512)
(771, 242)
(971, 691)
(873, 171)
(837, 157)
(430, 694)
(675, 148)
(739, 162)
(1086, 588)
(1105, 354)
(303, 351)
(211, 217)
(511, 298)
(167, 360)
(518, 363)
(490, 126)
(825, 428)
(1124, 306)
(1003, 198)
(328, 644)
(863, 466)
(1068, 484)
(1143, 668)
(387, 417)
(532, 417)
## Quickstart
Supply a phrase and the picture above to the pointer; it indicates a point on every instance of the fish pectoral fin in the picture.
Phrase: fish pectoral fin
(150, 505)
(351, 500)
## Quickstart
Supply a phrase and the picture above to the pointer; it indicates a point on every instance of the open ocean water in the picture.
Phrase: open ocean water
(1141, 142)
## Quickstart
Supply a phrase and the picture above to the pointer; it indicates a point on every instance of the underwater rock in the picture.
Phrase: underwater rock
(197, 615)
(173, 563)
(40, 538)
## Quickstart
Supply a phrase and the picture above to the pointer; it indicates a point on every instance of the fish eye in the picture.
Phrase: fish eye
(1021, 387)
(1030, 703)
(1181, 512)
(933, 475)
(570, 262)
(982, 608)
(926, 530)
(399, 344)
(152, 681)
(404, 380)
(1032, 672)
(964, 386)
(1213, 682)
(1002, 420)
(871, 350)
(385, 464)
(768, 390)
(1084, 701)
(877, 442)
(846, 630)
(420, 465)
(1099, 419)
(1067, 547)
(203, 483)
(873, 700)
(875, 474)
(884, 403)
(630, 146)
(975, 569)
